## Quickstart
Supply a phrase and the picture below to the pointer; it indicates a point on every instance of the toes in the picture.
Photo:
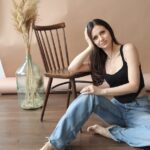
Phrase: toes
(92, 128)
(89, 129)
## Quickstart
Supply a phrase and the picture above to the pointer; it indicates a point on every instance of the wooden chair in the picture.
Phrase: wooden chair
(53, 48)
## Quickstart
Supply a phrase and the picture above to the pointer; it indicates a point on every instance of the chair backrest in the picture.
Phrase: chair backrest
(53, 46)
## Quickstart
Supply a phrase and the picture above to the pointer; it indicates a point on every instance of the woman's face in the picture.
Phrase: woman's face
(101, 37)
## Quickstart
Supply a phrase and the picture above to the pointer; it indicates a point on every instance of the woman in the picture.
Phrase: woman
(117, 94)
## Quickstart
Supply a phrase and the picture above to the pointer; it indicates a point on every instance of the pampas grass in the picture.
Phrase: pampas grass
(24, 14)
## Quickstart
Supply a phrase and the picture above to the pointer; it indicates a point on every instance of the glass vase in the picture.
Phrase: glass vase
(30, 86)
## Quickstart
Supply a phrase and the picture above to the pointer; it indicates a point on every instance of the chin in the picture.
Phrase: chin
(104, 46)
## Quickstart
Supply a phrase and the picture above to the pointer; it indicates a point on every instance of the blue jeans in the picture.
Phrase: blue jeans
(131, 120)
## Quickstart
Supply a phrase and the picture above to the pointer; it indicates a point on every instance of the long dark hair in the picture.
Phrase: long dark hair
(98, 56)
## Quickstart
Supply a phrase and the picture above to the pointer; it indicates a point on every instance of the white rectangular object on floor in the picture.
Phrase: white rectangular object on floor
(2, 73)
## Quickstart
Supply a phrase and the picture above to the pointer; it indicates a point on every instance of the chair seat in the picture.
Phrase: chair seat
(64, 73)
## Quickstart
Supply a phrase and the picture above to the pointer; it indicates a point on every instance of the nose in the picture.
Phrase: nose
(100, 38)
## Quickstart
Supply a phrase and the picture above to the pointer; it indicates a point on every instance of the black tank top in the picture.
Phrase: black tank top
(120, 78)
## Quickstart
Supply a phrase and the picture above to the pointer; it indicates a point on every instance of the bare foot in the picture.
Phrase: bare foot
(93, 129)
(47, 146)
(97, 129)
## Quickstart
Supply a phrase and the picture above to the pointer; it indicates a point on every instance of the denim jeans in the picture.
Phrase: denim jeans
(131, 120)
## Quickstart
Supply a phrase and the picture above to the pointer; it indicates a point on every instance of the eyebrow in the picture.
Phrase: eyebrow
(98, 33)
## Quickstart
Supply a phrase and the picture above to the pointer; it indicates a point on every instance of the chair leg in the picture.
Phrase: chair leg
(69, 93)
(46, 97)
(73, 86)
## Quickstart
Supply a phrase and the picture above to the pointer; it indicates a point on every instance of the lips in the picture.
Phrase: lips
(103, 43)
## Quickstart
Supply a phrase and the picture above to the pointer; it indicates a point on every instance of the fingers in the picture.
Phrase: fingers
(85, 30)
(86, 35)
(87, 38)
(87, 90)
(84, 90)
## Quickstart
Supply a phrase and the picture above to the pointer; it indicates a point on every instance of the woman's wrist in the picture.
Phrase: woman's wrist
(90, 48)
(103, 92)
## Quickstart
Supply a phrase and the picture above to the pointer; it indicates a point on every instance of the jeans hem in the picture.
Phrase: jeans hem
(53, 143)
(111, 134)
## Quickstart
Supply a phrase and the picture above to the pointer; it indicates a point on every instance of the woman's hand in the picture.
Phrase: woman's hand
(78, 63)
(91, 89)
(88, 39)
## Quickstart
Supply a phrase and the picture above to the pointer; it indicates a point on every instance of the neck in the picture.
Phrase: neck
(112, 51)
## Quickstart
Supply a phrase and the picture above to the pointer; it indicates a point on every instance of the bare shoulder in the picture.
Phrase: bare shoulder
(130, 47)
(130, 51)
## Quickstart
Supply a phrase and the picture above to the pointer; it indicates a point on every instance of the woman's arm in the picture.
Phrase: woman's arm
(132, 59)
(78, 63)
(81, 62)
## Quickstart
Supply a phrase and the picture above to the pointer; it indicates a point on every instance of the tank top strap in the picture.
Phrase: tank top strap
(121, 52)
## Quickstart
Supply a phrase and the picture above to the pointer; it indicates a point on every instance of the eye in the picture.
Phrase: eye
(102, 32)
(95, 38)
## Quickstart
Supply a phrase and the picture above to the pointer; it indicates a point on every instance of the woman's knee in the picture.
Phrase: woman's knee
(91, 99)
(82, 103)
(82, 100)
(85, 98)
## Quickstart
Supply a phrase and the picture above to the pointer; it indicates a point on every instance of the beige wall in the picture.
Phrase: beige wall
(130, 20)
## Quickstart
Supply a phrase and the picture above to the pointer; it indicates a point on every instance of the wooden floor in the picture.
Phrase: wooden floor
(22, 129)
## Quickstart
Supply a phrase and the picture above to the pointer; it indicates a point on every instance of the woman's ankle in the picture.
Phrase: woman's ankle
(48, 146)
